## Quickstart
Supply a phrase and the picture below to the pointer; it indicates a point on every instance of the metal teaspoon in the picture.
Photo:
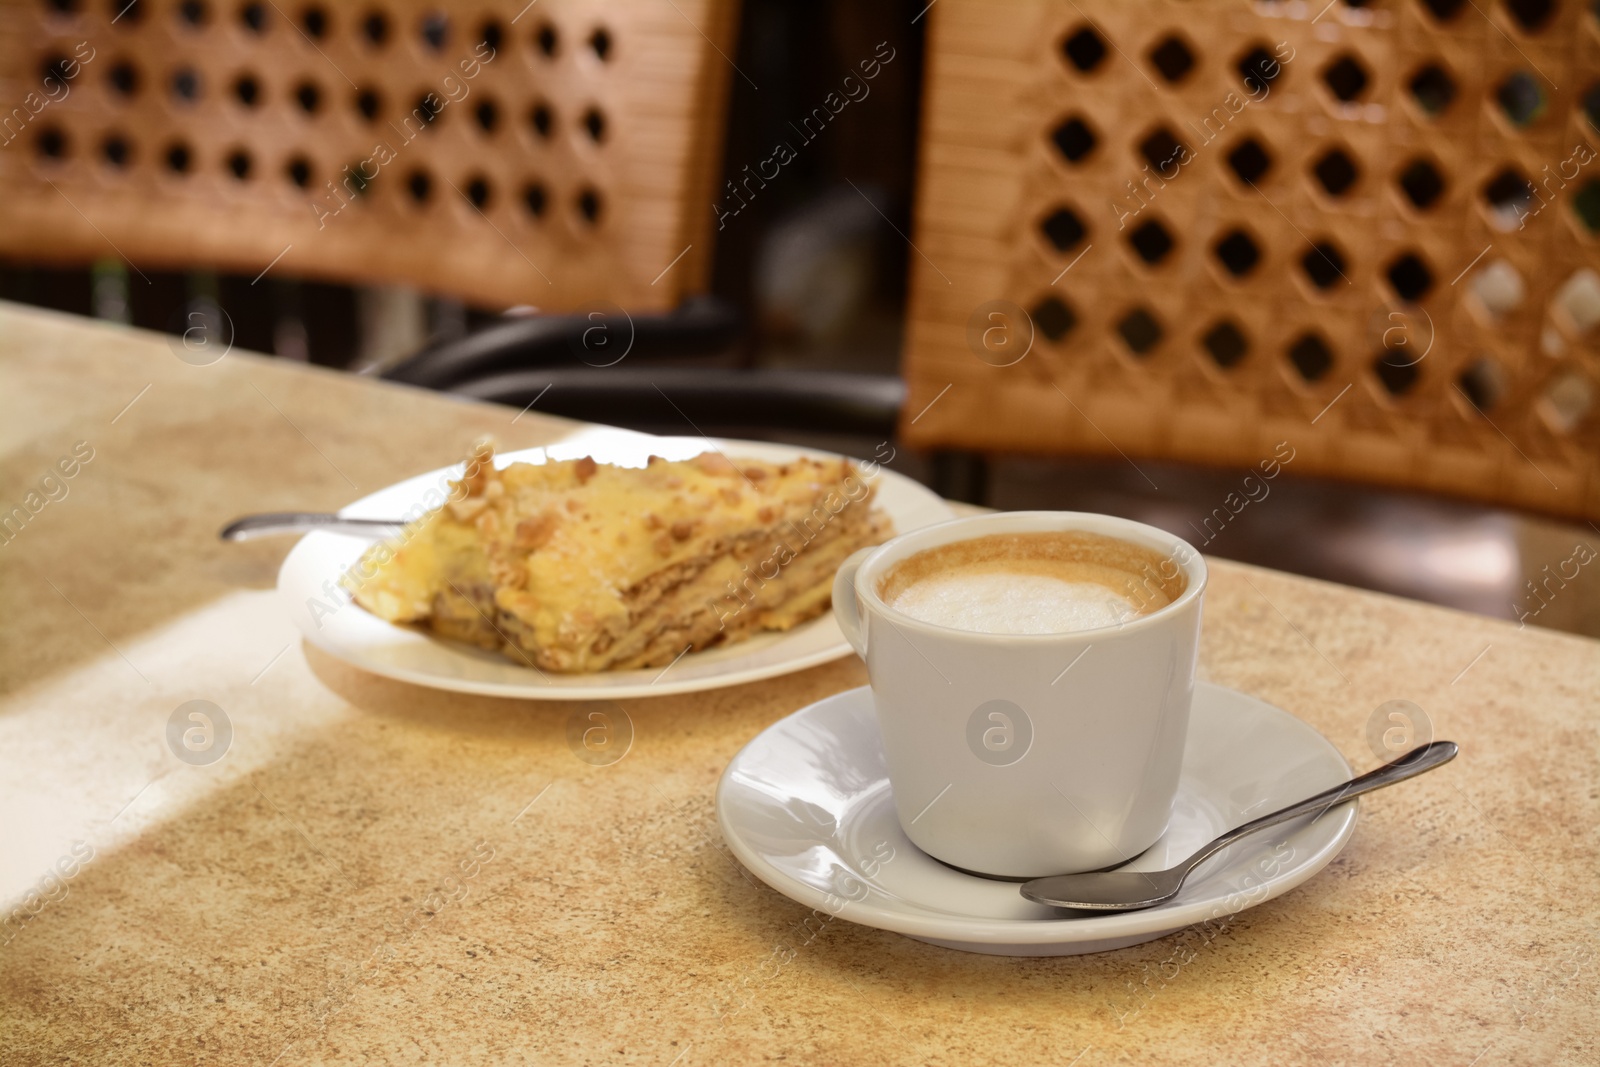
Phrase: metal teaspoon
(1131, 890)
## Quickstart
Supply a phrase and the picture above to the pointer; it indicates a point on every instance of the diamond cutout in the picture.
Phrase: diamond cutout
(1151, 241)
(1422, 183)
(1566, 402)
(1521, 99)
(1238, 253)
(1062, 229)
(1084, 49)
(1074, 139)
(1161, 149)
(1483, 384)
(1509, 195)
(1258, 68)
(1172, 59)
(1226, 343)
(1498, 289)
(1311, 357)
(1323, 264)
(1396, 372)
(1577, 302)
(1054, 317)
(1249, 161)
(1346, 78)
(1140, 331)
(1336, 172)
(1432, 88)
(1410, 277)
(1531, 15)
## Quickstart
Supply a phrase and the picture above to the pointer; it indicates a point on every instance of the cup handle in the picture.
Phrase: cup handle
(846, 609)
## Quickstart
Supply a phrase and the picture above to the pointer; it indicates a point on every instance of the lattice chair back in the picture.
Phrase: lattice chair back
(558, 154)
(1196, 230)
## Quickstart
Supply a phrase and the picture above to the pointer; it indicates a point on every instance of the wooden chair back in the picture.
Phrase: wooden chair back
(1196, 230)
(562, 153)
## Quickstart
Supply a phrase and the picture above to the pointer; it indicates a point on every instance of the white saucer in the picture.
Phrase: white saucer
(806, 807)
(308, 589)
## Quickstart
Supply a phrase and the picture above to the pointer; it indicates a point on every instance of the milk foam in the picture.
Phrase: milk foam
(1010, 603)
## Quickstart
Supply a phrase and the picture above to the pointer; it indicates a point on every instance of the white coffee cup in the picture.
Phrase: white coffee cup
(1033, 754)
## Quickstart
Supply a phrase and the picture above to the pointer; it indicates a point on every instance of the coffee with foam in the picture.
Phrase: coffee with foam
(1031, 583)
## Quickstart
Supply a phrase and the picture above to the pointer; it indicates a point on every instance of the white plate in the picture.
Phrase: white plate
(806, 806)
(308, 586)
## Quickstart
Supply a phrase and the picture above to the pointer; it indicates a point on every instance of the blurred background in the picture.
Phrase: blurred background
(811, 275)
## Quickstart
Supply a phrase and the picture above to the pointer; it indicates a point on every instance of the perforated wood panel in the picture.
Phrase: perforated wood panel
(549, 153)
(1367, 229)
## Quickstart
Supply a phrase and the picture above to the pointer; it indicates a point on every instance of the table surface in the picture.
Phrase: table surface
(283, 905)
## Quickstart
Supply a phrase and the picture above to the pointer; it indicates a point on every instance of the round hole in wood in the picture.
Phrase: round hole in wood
(124, 78)
(488, 115)
(375, 28)
(420, 185)
(600, 44)
(179, 158)
(239, 164)
(534, 199)
(314, 20)
(435, 30)
(478, 191)
(547, 40)
(308, 96)
(194, 12)
(126, 12)
(116, 150)
(369, 103)
(595, 123)
(253, 16)
(299, 171)
(543, 119)
(51, 143)
(590, 205)
(247, 90)
(186, 85)
(490, 34)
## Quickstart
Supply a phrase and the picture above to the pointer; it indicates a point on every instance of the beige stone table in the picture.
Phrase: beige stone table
(381, 874)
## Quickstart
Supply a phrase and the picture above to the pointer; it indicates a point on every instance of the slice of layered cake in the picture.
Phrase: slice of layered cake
(579, 566)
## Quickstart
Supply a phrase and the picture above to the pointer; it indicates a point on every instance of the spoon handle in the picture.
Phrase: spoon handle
(300, 521)
(1420, 759)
